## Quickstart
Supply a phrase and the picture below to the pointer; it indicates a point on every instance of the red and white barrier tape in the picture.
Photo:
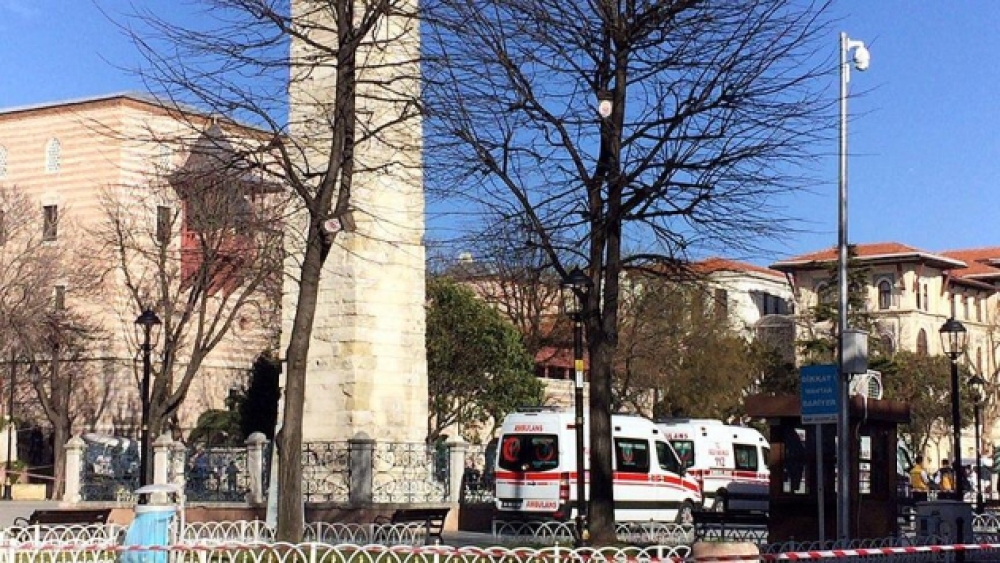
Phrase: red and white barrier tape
(858, 552)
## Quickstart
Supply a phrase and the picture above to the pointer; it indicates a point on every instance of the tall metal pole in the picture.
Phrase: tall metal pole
(144, 439)
(7, 486)
(581, 489)
(956, 423)
(980, 506)
(843, 425)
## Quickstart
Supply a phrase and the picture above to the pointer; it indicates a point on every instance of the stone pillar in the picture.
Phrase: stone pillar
(367, 369)
(161, 465)
(161, 457)
(457, 449)
(362, 449)
(178, 460)
(255, 467)
(74, 466)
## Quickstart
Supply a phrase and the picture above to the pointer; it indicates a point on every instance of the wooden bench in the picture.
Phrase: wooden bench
(707, 520)
(64, 517)
(431, 518)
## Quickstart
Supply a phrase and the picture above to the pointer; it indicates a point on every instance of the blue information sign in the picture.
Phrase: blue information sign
(820, 397)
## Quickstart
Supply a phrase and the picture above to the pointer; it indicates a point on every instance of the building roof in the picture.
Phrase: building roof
(981, 263)
(717, 264)
(872, 252)
(60, 104)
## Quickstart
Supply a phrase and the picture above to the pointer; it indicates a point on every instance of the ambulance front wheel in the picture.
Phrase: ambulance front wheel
(685, 514)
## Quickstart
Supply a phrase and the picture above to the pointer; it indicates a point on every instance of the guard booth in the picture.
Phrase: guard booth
(795, 502)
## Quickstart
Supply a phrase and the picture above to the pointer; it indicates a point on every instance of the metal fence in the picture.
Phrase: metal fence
(393, 472)
(225, 544)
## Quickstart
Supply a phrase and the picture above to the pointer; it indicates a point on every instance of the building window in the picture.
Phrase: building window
(721, 304)
(884, 294)
(979, 359)
(824, 293)
(979, 310)
(919, 302)
(968, 306)
(164, 157)
(53, 155)
(927, 304)
(3, 161)
(51, 223)
(59, 298)
(164, 218)
(888, 347)
(922, 342)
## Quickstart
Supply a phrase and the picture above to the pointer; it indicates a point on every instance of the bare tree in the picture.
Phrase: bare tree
(209, 263)
(361, 57)
(38, 330)
(706, 111)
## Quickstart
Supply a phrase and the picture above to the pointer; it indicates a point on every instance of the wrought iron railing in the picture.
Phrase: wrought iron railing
(478, 477)
(109, 473)
(216, 474)
(326, 471)
(410, 473)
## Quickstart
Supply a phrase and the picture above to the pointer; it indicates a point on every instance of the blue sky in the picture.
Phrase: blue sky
(924, 143)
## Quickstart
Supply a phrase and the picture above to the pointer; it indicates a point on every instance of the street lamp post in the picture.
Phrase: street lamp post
(953, 339)
(978, 387)
(7, 486)
(861, 60)
(145, 322)
(575, 288)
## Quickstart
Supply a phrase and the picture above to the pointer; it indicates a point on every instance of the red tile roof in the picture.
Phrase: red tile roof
(871, 251)
(718, 264)
(559, 357)
(980, 262)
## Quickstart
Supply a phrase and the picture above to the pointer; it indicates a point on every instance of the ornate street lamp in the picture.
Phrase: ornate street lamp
(575, 288)
(145, 323)
(953, 341)
(977, 386)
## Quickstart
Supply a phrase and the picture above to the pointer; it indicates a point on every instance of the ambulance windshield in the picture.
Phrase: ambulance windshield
(685, 451)
(529, 452)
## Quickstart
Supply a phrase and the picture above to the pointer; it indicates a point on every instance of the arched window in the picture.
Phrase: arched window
(53, 155)
(884, 294)
(824, 293)
(922, 342)
(888, 347)
(3, 161)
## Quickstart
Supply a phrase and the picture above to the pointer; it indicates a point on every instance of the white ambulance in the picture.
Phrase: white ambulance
(536, 469)
(729, 462)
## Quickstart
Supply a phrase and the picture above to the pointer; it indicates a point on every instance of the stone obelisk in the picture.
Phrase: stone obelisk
(367, 367)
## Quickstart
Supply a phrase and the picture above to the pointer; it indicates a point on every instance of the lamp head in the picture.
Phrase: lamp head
(862, 58)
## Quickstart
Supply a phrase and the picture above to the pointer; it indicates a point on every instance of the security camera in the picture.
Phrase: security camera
(862, 58)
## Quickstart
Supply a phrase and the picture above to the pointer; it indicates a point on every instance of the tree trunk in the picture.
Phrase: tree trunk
(60, 435)
(289, 440)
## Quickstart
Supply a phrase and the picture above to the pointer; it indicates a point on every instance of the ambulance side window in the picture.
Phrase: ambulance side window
(668, 461)
(632, 456)
(685, 451)
(746, 457)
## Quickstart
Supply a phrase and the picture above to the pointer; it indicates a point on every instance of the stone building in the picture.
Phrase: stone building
(910, 293)
(71, 158)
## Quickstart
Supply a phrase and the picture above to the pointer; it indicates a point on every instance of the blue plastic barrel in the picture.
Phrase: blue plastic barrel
(150, 528)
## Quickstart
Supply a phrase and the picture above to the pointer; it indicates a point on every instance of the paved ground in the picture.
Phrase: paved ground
(11, 509)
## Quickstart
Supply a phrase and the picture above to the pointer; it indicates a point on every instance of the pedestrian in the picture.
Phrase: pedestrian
(920, 481)
(946, 477)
